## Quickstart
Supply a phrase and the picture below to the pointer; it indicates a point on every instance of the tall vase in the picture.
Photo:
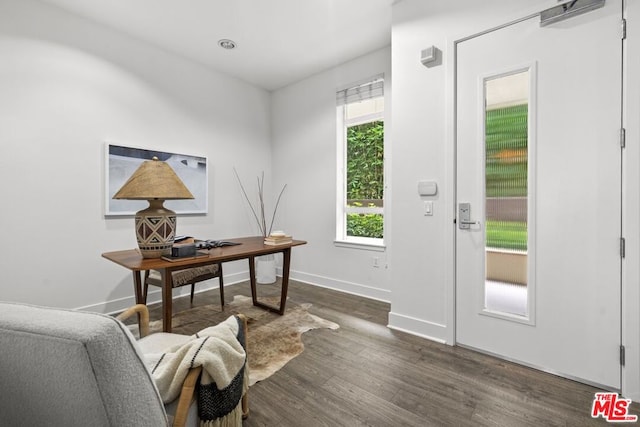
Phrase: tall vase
(266, 269)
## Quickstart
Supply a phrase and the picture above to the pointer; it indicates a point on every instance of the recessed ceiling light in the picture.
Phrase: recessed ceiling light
(227, 44)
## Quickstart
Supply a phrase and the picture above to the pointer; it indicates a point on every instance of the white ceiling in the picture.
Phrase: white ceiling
(278, 42)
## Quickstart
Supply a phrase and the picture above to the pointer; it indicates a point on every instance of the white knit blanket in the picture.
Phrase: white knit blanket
(216, 349)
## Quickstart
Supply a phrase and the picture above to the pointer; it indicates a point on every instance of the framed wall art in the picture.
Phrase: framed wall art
(121, 161)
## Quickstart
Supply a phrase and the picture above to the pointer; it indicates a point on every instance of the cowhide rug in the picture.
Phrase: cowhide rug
(272, 341)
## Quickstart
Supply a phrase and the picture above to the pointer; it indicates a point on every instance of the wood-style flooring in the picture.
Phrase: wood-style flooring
(365, 374)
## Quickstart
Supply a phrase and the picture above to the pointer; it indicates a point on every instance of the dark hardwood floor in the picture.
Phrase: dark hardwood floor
(365, 374)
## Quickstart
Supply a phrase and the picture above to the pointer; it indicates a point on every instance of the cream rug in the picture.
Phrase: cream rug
(272, 340)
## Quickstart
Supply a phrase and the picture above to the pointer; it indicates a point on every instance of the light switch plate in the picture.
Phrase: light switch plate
(428, 208)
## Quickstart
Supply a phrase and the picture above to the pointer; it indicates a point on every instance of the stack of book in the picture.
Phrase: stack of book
(277, 239)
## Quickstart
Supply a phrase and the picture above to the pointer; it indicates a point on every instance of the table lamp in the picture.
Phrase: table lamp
(155, 182)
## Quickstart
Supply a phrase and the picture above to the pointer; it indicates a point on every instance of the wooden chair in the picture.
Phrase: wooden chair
(187, 276)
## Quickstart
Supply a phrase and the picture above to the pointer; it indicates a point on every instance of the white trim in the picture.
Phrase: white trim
(449, 193)
(631, 209)
(363, 210)
(341, 155)
(352, 288)
(155, 296)
(429, 330)
(356, 244)
(532, 105)
(525, 320)
(342, 123)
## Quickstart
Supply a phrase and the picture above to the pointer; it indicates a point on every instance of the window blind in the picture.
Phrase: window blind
(362, 92)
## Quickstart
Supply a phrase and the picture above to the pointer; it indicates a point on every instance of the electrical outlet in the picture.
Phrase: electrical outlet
(375, 262)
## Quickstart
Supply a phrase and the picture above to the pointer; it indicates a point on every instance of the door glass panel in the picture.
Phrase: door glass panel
(506, 192)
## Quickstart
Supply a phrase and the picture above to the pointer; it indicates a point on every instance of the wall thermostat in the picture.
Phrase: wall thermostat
(427, 188)
(431, 56)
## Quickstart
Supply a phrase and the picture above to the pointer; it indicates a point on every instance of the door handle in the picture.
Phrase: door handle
(464, 216)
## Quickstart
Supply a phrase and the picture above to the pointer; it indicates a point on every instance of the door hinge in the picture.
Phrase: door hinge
(623, 29)
(622, 247)
(622, 358)
(623, 137)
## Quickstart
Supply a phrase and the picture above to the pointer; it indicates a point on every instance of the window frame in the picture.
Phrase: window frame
(342, 210)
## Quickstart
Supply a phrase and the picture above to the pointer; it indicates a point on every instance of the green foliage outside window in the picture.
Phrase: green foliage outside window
(365, 161)
(506, 139)
(365, 177)
(365, 225)
(507, 235)
(506, 134)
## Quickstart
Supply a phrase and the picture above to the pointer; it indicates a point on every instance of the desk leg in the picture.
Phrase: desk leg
(167, 293)
(252, 279)
(137, 287)
(286, 263)
(285, 283)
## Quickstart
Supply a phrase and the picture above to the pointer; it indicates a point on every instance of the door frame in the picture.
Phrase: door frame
(631, 207)
(629, 378)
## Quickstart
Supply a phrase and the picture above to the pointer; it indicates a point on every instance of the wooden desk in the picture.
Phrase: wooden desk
(250, 248)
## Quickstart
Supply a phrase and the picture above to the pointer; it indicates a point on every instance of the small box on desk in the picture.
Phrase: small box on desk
(183, 250)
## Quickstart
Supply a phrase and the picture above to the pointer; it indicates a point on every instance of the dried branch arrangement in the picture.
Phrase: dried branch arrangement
(259, 211)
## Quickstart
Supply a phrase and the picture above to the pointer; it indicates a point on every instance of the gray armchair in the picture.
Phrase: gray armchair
(71, 368)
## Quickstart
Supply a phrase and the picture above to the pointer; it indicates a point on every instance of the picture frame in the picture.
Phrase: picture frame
(121, 162)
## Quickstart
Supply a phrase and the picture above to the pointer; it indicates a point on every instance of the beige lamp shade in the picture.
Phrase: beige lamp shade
(154, 181)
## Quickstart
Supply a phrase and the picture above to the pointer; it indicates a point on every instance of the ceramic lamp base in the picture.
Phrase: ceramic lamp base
(155, 230)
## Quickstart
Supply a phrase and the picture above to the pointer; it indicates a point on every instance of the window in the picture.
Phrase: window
(360, 210)
(507, 222)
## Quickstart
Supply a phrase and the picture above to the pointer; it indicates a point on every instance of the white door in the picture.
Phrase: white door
(538, 248)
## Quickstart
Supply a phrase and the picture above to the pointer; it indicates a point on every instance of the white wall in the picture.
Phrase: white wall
(66, 86)
(304, 157)
(421, 255)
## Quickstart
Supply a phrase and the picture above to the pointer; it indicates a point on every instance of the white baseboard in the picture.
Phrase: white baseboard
(358, 289)
(109, 307)
(155, 296)
(421, 328)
